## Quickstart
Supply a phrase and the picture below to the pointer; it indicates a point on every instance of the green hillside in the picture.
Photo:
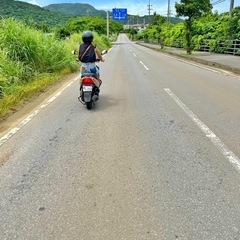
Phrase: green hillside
(58, 14)
(28, 12)
(76, 9)
(80, 9)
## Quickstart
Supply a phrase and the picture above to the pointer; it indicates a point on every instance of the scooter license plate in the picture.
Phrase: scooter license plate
(87, 88)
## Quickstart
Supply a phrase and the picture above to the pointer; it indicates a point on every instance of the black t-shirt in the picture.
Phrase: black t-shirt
(89, 55)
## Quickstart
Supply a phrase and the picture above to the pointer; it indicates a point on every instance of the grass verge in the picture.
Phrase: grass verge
(23, 93)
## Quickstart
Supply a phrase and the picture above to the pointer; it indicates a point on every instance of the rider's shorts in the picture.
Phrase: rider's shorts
(89, 68)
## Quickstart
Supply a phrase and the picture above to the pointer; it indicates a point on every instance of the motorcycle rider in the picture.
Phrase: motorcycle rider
(88, 54)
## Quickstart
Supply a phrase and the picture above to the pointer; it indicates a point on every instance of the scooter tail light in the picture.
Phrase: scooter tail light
(87, 81)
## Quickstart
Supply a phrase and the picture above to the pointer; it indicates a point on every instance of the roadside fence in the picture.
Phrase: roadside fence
(209, 45)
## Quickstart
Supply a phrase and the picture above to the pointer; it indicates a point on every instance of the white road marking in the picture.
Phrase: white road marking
(229, 155)
(227, 73)
(140, 61)
(199, 66)
(33, 114)
(144, 65)
(212, 69)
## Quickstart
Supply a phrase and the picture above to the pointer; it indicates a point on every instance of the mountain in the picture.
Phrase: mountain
(81, 9)
(76, 9)
(31, 13)
(55, 14)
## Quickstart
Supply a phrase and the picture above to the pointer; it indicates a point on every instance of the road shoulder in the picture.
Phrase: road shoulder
(23, 109)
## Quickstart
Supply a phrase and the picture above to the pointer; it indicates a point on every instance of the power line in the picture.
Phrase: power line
(168, 12)
(156, 2)
(160, 4)
(217, 2)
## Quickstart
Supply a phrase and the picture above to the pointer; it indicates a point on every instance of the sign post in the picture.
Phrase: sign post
(107, 25)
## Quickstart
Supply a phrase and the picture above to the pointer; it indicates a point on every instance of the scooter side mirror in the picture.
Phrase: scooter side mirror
(74, 52)
(104, 52)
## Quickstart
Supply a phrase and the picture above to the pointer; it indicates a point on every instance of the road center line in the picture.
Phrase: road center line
(33, 114)
(229, 155)
(144, 65)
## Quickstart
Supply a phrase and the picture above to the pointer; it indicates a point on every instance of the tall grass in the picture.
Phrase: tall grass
(25, 55)
(37, 51)
(29, 59)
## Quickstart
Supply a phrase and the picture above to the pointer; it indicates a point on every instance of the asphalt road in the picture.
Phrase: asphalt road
(156, 158)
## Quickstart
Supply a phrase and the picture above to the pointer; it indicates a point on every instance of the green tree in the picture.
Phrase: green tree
(192, 9)
(234, 25)
(62, 33)
(97, 24)
(158, 19)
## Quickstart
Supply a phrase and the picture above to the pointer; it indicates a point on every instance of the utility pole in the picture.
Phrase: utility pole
(149, 10)
(231, 8)
(169, 12)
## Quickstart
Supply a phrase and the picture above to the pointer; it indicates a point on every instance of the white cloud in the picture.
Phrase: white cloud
(34, 3)
(132, 8)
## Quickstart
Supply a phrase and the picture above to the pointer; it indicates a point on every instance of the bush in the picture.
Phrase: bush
(197, 42)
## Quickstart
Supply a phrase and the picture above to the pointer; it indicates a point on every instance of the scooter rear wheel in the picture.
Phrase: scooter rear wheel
(89, 105)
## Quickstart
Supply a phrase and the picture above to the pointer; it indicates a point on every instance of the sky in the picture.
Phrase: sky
(137, 7)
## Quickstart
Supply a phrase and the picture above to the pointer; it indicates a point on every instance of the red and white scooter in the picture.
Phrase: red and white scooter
(89, 89)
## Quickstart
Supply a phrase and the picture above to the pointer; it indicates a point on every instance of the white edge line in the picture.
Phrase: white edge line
(33, 114)
(200, 66)
(212, 69)
(229, 155)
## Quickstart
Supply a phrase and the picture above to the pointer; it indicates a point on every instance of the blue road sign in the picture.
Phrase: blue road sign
(119, 14)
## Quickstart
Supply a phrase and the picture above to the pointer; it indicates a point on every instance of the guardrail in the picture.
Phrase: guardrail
(224, 46)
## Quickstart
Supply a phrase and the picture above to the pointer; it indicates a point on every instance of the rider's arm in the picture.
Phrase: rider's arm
(99, 55)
